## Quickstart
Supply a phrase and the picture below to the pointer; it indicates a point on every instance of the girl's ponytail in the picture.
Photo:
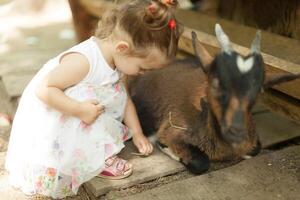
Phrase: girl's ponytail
(107, 24)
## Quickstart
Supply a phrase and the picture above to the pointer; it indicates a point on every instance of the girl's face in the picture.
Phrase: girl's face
(134, 65)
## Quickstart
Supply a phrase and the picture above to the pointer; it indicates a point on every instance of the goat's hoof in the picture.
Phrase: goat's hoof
(199, 163)
(246, 157)
(255, 150)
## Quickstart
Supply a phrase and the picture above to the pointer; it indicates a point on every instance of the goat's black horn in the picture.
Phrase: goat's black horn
(255, 46)
(223, 39)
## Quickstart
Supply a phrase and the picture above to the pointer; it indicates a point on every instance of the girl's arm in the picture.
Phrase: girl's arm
(132, 121)
(71, 70)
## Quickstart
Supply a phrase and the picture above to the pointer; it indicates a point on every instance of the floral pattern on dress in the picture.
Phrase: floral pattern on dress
(78, 150)
(85, 127)
(40, 157)
(45, 182)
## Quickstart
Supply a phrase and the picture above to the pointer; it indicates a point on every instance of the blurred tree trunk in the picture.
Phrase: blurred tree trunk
(84, 22)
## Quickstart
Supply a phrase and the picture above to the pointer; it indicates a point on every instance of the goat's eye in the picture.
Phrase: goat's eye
(215, 87)
(223, 97)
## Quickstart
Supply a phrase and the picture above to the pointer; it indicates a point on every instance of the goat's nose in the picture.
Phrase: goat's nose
(236, 134)
(238, 120)
(237, 131)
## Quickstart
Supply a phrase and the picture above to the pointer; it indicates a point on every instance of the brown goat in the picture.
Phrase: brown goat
(204, 113)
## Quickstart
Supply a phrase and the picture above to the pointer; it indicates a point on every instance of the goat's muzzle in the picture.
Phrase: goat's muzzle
(233, 135)
(235, 132)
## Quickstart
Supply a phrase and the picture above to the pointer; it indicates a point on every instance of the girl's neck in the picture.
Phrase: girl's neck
(107, 51)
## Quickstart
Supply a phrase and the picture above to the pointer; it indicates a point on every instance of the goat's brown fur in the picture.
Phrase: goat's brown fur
(185, 110)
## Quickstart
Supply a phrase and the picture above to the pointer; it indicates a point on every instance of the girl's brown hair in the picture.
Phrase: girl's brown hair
(148, 22)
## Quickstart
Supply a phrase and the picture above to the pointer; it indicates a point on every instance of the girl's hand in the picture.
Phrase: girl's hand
(142, 143)
(89, 111)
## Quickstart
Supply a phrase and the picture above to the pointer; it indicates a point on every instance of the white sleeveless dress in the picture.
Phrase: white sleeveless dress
(53, 154)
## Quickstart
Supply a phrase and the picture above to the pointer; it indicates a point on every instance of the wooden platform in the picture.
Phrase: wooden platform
(273, 128)
(267, 177)
(159, 165)
(145, 169)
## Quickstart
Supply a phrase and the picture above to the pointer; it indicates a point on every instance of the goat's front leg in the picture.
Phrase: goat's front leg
(254, 140)
(256, 149)
(171, 142)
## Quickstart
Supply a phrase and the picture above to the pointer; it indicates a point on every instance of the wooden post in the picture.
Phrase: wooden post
(84, 22)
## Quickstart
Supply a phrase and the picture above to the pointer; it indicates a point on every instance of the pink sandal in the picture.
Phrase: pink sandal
(116, 168)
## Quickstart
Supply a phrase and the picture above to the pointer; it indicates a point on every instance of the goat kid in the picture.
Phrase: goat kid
(203, 113)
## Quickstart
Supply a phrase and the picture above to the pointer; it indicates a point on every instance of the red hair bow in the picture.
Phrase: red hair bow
(172, 24)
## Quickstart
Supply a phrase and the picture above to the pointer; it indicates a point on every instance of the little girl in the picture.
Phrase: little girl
(68, 126)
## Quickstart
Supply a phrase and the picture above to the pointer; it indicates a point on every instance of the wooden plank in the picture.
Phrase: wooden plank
(273, 128)
(145, 169)
(98, 7)
(91, 195)
(84, 22)
(272, 44)
(267, 177)
(282, 104)
(259, 108)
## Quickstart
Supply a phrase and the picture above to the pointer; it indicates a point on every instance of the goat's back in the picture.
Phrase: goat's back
(177, 89)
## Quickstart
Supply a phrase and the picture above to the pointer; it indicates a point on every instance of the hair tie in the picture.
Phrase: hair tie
(169, 2)
(172, 24)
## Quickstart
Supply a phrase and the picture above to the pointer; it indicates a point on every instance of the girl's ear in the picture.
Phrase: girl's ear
(122, 47)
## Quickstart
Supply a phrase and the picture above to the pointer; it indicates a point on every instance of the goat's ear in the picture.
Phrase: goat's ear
(223, 40)
(274, 79)
(255, 46)
(201, 53)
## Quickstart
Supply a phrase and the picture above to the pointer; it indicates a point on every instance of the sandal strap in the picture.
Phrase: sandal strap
(121, 165)
(110, 161)
(116, 166)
